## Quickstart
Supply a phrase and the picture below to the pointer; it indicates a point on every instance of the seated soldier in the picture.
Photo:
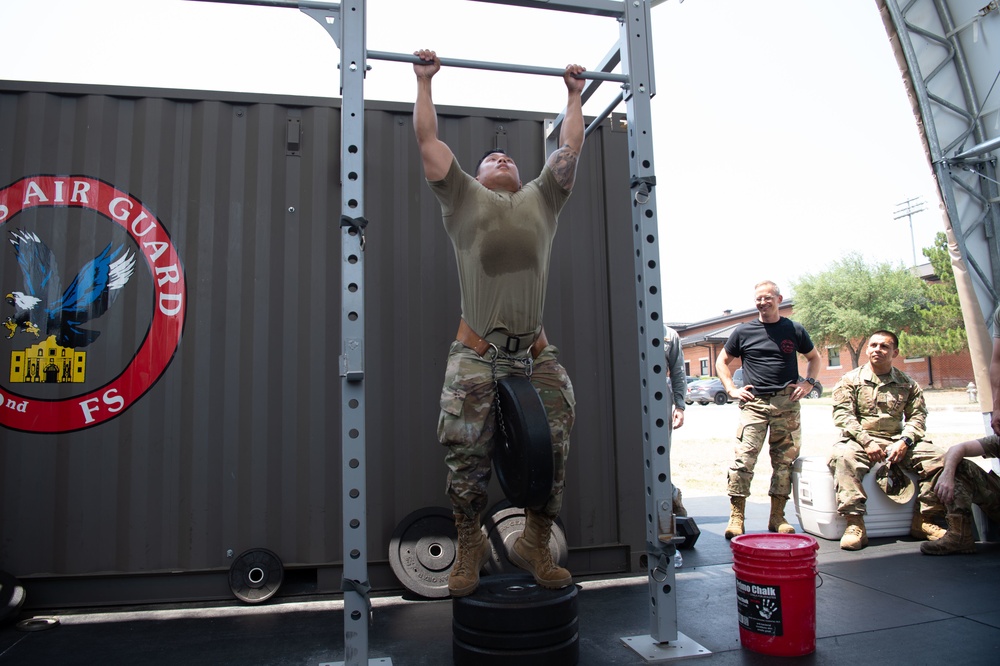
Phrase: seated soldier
(882, 415)
(961, 484)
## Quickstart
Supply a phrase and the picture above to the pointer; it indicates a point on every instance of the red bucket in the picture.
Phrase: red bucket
(776, 592)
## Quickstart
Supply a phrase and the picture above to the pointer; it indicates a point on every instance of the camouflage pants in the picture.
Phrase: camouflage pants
(466, 423)
(778, 417)
(973, 485)
(849, 463)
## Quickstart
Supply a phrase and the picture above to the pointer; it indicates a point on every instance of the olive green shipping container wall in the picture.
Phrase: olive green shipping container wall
(156, 476)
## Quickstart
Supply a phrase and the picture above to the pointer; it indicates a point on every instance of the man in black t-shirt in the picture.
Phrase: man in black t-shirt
(769, 401)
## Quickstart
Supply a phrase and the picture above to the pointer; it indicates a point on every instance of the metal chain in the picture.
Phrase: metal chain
(528, 363)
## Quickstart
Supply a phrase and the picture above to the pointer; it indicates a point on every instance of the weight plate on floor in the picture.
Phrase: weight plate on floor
(566, 653)
(504, 525)
(526, 640)
(513, 603)
(11, 596)
(422, 551)
(256, 575)
(522, 451)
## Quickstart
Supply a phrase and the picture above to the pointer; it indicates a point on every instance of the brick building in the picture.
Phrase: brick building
(702, 343)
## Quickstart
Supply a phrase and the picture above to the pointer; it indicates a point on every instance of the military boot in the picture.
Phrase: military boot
(472, 555)
(921, 528)
(958, 538)
(777, 522)
(737, 508)
(855, 536)
(678, 503)
(531, 552)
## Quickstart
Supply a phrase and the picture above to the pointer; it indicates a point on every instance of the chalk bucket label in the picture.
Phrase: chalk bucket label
(759, 608)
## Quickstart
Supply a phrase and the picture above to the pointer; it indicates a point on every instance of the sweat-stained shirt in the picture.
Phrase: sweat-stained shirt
(502, 242)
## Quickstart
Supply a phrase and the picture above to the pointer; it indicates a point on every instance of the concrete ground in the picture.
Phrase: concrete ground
(886, 603)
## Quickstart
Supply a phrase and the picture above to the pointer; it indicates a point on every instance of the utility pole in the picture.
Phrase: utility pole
(908, 209)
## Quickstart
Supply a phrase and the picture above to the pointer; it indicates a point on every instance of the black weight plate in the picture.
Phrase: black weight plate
(11, 596)
(256, 575)
(522, 452)
(503, 526)
(687, 528)
(562, 654)
(422, 551)
(514, 603)
(528, 640)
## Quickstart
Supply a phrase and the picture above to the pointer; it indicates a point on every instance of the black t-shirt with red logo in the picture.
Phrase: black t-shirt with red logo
(769, 352)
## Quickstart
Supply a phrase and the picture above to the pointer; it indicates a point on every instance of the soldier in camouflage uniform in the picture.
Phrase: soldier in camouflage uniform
(769, 402)
(502, 233)
(678, 390)
(882, 416)
(961, 484)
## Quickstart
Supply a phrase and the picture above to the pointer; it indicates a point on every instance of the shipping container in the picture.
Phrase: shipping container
(193, 412)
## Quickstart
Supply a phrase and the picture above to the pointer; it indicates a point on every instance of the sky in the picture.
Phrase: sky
(783, 138)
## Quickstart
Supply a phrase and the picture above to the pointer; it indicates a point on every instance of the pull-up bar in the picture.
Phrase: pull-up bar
(495, 66)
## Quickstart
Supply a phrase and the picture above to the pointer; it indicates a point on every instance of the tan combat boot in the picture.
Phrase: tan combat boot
(777, 522)
(737, 508)
(473, 553)
(921, 528)
(958, 538)
(678, 503)
(531, 552)
(855, 536)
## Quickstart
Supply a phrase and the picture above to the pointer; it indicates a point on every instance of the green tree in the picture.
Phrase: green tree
(942, 327)
(843, 305)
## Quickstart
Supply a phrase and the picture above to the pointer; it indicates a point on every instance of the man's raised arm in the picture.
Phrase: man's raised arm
(436, 155)
(563, 160)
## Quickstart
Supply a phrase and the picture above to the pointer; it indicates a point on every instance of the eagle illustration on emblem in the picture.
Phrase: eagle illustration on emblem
(43, 308)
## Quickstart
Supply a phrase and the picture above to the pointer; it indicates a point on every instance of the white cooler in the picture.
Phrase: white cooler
(816, 504)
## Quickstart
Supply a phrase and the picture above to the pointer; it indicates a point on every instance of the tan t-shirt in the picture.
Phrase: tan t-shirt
(502, 244)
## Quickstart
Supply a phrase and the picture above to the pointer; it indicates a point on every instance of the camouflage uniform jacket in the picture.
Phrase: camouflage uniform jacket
(869, 408)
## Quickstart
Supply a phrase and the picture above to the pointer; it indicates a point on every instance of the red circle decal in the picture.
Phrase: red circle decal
(154, 354)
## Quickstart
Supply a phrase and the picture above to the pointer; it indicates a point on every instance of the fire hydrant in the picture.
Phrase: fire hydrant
(971, 390)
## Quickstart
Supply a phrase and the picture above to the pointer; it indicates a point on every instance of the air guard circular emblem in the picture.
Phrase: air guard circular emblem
(82, 349)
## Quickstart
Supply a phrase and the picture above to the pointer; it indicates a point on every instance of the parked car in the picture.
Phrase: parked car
(705, 391)
(816, 391)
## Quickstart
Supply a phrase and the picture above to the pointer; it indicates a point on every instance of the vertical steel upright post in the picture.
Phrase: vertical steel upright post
(357, 610)
(637, 62)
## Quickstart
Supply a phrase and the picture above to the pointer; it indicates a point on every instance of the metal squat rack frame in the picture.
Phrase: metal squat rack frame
(346, 23)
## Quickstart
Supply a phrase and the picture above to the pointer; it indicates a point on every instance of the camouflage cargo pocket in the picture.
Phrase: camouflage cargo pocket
(450, 421)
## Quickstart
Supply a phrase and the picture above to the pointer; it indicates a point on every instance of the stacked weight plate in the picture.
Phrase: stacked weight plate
(510, 619)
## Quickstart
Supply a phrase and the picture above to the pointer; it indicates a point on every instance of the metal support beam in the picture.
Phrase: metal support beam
(495, 66)
(357, 606)
(656, 403)
(609, 8)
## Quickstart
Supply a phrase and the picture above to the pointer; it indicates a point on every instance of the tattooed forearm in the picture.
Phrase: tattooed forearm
(563, 165)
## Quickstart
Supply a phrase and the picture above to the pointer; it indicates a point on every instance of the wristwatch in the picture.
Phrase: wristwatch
(908, 442)
(810, 381)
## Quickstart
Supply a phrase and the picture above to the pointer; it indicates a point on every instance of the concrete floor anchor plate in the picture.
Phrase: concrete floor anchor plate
(651, 651)
(384, 661)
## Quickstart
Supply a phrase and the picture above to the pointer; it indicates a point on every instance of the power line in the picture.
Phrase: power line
(908, 209)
